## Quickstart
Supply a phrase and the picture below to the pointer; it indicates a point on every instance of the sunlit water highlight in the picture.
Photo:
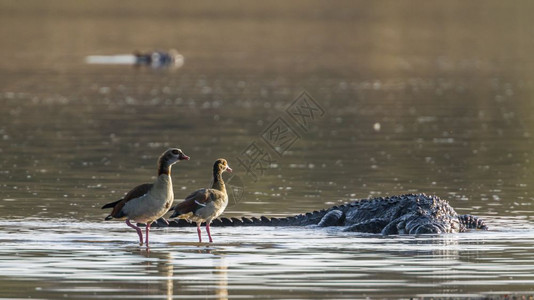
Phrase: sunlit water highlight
(102, 260)
(418, 96)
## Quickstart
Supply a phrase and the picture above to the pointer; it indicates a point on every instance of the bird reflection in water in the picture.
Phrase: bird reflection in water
(160, 267)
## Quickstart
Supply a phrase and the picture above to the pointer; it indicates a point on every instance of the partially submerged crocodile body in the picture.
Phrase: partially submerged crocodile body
(403, 214)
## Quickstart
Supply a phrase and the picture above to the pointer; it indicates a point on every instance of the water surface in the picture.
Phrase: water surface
(53, 259)
(417, 97)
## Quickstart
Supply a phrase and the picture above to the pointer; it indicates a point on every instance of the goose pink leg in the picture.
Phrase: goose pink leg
(139, 232)
(208, 230)
(147, 231)
(199, 234)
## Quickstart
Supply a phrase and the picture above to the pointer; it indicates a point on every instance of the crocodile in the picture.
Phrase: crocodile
(400, 214)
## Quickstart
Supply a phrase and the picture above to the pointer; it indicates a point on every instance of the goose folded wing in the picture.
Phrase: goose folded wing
(197, 200)
(136, 192)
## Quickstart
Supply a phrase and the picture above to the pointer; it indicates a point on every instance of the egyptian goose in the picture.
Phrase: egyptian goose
(150, 201)
(205, 205)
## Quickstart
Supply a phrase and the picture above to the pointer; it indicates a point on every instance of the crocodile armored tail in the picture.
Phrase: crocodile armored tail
(403, 214)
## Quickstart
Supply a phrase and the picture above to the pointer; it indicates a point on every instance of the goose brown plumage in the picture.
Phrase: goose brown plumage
(148, 202)
(205, 204)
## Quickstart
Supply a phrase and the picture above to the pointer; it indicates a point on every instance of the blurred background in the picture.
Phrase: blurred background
(418, 96)
(409, 96)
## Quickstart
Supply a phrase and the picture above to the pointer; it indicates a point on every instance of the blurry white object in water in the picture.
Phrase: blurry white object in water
(125, 59)
(155, 59)
(376, 126)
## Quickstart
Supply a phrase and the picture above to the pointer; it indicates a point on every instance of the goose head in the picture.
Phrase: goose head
(172, 156)
(221, 165)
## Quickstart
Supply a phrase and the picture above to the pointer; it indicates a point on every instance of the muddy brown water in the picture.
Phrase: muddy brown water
(410, 96)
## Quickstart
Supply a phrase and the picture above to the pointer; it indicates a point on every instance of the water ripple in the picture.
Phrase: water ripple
(102, 260)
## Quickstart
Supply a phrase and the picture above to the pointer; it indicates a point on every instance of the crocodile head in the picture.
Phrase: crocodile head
(420, 223)
(426, 224)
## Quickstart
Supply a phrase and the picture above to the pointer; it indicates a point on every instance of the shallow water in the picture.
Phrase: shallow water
(62, 258)
(411, 97)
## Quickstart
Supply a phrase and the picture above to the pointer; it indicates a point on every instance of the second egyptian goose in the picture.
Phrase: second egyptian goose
(148, 202)
(205, 205)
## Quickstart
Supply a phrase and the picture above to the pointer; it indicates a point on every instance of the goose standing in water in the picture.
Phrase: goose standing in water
(148, 202)
(205, 205)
